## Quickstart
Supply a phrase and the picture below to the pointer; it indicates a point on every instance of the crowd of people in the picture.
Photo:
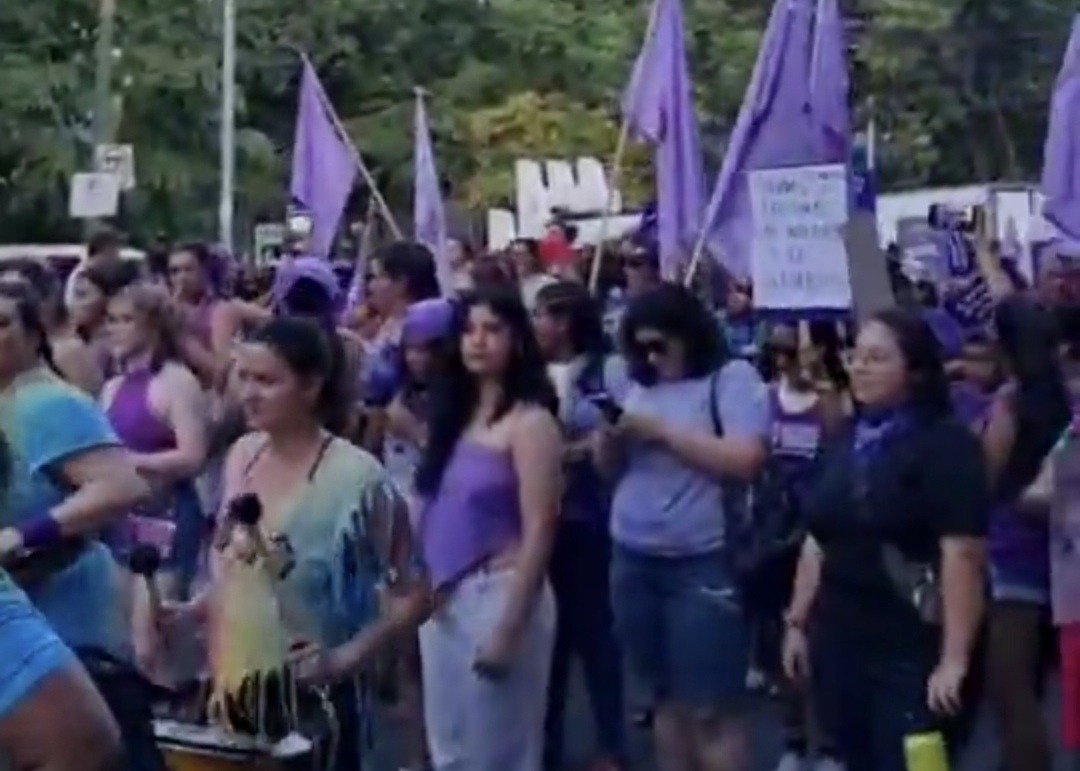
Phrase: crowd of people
(273, 508)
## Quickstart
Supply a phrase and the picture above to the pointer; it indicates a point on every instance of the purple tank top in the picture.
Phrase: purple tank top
(132, 419)
(474, 516)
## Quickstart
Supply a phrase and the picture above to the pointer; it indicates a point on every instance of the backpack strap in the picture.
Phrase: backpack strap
(714, 403)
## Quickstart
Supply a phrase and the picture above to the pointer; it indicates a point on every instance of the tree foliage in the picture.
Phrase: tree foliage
(958, 89)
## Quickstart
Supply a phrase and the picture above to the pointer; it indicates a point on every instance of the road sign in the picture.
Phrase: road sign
(119, 160)
(94, 195)
(269, 240)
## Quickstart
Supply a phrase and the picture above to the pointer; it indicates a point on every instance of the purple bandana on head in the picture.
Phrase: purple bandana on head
(311, 270)
(427, 321)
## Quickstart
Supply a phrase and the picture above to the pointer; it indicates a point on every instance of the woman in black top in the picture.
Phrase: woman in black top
(893, 568)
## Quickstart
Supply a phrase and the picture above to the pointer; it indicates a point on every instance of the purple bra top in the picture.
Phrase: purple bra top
(475, 515)
(132, 419)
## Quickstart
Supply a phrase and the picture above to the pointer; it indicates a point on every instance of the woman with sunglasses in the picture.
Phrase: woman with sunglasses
(693, 423)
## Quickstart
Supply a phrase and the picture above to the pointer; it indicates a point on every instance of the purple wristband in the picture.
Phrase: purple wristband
(40, 533)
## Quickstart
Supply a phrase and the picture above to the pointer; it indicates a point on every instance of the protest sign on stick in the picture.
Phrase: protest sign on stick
(871, 288)
(799, 262)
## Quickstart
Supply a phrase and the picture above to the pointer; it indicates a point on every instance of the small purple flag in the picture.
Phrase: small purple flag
(1061, 152)
(659, 106)
(792, 115)
(324, 163)
(429, 219)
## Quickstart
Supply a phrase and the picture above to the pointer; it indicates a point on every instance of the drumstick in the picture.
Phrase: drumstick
(145, 561)
(246, 511)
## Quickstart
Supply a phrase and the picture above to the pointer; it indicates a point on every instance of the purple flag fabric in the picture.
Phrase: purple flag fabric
(792, 115)
(324, 163)
(429, 219)
(829, 84)
(659, 106)
(1061, 152)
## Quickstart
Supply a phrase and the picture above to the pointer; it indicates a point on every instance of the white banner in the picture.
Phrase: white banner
(94, 195)
(799, 261)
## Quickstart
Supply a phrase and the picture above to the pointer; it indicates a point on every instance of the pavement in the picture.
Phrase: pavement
(767, 744)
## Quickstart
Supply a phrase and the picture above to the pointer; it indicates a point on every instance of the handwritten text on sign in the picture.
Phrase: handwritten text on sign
(799, 261)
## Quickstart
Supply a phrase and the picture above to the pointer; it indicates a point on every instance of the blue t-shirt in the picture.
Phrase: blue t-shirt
(662, 505)
(45, 421)
(29, 650)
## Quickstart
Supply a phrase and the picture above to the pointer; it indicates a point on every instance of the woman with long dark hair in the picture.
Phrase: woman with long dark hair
(890, 581)
(491, 483)
(570, 331)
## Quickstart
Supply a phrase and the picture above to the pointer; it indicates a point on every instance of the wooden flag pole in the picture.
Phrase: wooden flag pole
(613, 186)
(616, 164)
(369, 180)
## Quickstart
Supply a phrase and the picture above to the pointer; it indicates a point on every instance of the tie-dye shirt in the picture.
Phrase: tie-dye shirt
(339, 528)
(46, 422)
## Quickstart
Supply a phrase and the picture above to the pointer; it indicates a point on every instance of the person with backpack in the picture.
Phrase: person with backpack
(570, 332)
(692, 426)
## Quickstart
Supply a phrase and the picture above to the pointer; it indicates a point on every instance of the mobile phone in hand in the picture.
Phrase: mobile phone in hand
(607, 405)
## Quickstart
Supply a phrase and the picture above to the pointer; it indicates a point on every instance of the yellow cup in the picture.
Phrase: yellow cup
(926, 752)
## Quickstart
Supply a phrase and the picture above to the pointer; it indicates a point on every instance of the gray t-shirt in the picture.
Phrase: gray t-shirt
(662, 505)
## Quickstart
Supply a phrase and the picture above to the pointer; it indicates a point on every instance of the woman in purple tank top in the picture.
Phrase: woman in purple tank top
(157, 410)
(490, 478)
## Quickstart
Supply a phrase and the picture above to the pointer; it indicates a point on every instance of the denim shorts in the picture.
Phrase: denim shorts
(681, 624)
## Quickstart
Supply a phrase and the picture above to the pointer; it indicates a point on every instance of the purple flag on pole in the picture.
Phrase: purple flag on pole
(429, 219)
(659, 105)
(792, 115)
(324, 163)
(1061, 153)
(829, 84)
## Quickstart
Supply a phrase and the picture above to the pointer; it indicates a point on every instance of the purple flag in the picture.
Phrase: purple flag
(324, 163)
(1061, 153)
(791, 115)
(659, 106)
(829, 84)
(429, 219)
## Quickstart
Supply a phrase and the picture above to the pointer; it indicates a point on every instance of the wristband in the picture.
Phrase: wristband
(40, 533)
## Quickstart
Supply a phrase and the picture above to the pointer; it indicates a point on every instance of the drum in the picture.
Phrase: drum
(189, 747)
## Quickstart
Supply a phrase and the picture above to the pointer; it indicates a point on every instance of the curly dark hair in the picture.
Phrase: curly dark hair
(676, 312)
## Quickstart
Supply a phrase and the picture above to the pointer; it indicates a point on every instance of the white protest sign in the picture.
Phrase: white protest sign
(119, 160)
(799, 261)
(94, 195)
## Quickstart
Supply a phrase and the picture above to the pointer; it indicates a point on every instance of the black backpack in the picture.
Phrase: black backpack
(763, 528)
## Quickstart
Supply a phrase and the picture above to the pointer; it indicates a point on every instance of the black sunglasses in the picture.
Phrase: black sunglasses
(648, 348)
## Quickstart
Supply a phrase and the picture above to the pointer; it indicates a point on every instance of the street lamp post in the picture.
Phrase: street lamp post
(228, 123)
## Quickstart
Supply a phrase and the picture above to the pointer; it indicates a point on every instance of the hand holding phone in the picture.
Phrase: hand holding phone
(607, 405)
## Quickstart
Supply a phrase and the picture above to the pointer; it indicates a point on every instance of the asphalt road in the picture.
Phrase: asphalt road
(768, 745)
